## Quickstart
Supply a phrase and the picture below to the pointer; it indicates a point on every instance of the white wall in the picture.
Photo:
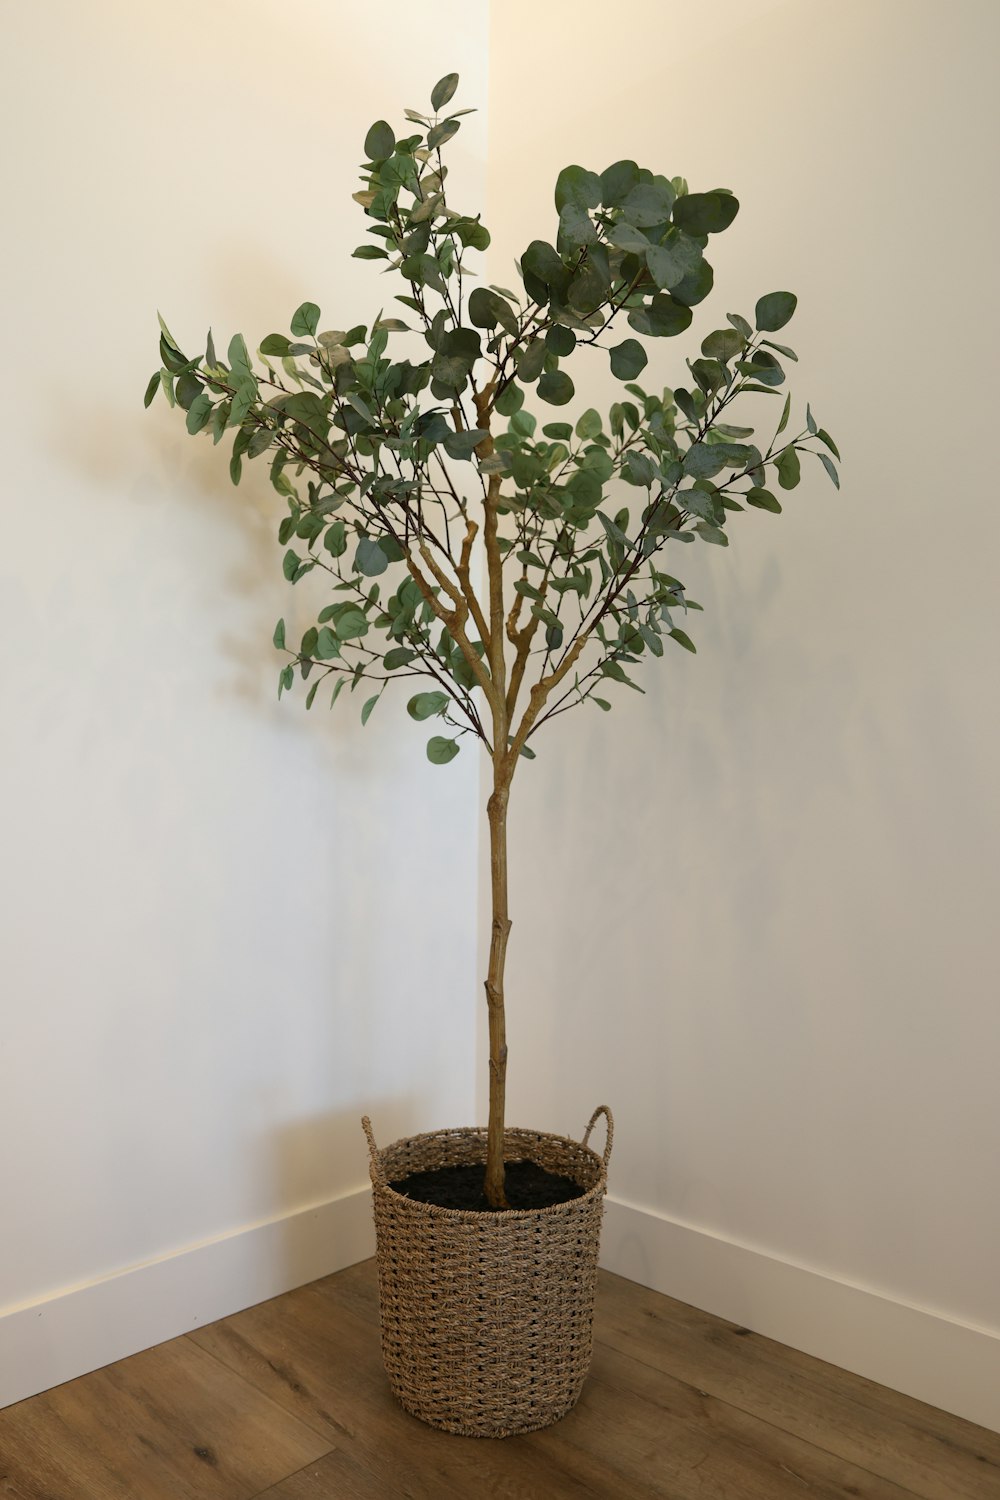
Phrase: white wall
(229, 928)
(752, 910)
(755, 910)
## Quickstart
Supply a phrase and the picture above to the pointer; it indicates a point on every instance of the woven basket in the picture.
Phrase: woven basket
(487, 1318)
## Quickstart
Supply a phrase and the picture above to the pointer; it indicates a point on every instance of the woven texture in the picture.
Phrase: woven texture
(487, 1318)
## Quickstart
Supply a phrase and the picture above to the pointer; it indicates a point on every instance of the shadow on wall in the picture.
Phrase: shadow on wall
(325, 1226)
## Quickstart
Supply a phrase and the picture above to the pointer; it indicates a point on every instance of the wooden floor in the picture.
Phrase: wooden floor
(288, 1400)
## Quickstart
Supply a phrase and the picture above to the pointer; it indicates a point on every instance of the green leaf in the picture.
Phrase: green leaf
(825, 437)
(577, 186)
(351, 625)
(306, 319)
(199, 412)
(463, 444)
(486, 310)
(617, 673)
(285, 679)
(713, 534)
(670, 263)
(763, 500)
(648, 203)
(399, 656)
(369, 252)
(774, 311)
(628, 359)
(785, 413)
(724, 344)
(530, 360)
(705, 213)
(576, 229)
(369, 559)
(326, 646)
(683, 639)
(613, 530)
(789, 469)
(366, 712)
(279, 635)
(662, 317)
(426, 705)
(617, 182)
(638, 469)
(588, 426)
(440, 751)
(556, 388)
(276, 343)
(441, 133)
(335, 540)
(830, 468)
(510, 400)
(310, 696)
(151, 389)
(560, 341)
(379, 143)
(443, 90)
(235, 468)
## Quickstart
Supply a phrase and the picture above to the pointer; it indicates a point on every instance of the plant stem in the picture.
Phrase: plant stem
(496, 810)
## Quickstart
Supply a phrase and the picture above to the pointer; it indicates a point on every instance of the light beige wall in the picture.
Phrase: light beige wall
(227, 927)
(755, 910)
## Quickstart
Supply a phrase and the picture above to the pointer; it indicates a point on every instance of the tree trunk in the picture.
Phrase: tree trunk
(496, 810)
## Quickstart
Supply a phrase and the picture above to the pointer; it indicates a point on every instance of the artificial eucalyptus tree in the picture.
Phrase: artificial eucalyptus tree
(517, 565)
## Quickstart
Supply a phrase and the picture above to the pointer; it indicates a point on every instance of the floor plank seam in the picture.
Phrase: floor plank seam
(260, 1391)
(755, 1417)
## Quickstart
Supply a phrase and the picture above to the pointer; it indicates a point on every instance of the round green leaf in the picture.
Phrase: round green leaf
(556, 388)
(440, 751)
(443, 90)
(487, 309)
(306, 319)
(789, 469)
(763, 499)
(560, 340)
(379, 142)
(705, 213)
(510, 400)
(578, 186)
(628, 359)
(617, 182)
(775, 310)
(426, 705)
(649, 203)
(369, 559)
(530, 360)
(724, 344)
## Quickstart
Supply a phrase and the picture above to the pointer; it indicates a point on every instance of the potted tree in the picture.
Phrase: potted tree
(515, 561)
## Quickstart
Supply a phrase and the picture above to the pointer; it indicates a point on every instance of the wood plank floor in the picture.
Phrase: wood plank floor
(288, 1401)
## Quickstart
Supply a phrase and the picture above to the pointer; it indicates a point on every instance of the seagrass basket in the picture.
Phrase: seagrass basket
(487, 1318)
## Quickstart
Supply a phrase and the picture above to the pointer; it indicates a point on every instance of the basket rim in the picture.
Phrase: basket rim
(493, 1215)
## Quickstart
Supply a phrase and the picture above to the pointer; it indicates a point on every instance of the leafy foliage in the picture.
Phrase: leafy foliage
(391, 467)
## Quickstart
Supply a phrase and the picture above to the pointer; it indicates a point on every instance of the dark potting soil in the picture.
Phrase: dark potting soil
(527, 1186)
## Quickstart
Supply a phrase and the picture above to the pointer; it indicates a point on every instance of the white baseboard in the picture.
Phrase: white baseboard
(923, 1354)
(82, 1328)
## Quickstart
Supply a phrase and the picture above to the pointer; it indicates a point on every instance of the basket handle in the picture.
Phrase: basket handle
(376, 1164)
(602, 1109)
